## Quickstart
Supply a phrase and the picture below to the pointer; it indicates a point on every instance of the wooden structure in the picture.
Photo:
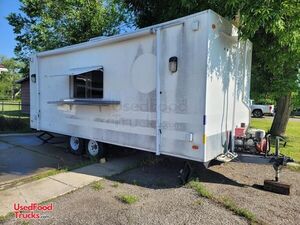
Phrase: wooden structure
(25, 94)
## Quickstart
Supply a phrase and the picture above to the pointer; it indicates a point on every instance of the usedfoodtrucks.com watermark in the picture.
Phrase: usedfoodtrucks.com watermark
(32, 211)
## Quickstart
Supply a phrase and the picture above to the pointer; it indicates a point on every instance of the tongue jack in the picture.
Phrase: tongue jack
(280, 161)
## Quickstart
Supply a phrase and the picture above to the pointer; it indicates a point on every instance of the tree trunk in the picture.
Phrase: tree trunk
(282, 115)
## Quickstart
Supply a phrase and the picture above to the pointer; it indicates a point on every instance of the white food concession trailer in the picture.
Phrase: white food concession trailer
(178, 88)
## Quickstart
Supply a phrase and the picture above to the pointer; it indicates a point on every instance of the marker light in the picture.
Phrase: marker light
(173, 61)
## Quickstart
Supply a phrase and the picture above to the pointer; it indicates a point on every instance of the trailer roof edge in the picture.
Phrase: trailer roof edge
(118, 37)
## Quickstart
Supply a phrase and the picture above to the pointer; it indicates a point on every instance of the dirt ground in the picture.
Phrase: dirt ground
(163, 200)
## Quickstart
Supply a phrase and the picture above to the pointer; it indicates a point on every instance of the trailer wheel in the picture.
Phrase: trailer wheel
(76, 145)
(95, 149)
(257, 113)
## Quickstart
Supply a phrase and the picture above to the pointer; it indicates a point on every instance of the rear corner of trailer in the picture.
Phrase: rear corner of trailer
(242, 82)
(227, 84)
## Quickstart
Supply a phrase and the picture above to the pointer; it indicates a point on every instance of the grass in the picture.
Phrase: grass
(297, 117)
(229, 204)
(198, 202)
(294, 167)
(200, 189)
(115, 185)
(4, 105)
(11, 110)
(25, 223)
(6, 217)
(292, 148)
(128, 199)
(47, 174)
(34, 177)
(224, 201)
(97, 185)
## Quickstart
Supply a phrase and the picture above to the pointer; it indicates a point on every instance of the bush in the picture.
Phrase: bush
(128, 199)
(97, 185)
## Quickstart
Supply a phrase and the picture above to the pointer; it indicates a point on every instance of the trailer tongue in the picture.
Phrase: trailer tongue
(255, 143)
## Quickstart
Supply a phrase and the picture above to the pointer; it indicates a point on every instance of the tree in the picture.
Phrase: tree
(274, 28)
(49, 24)
(8, 87)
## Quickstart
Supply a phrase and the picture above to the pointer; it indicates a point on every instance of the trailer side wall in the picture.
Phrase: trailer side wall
(129, 77)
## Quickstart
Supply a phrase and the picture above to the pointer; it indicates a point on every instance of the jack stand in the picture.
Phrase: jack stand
(45, 137)
(275, 185)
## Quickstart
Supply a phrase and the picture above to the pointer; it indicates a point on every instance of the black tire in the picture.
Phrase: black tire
(257, 113)
(95, 150)
(76, 145)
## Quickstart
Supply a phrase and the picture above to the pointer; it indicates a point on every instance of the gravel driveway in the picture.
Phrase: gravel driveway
(162, 200)
(268, 207)
(161, 206)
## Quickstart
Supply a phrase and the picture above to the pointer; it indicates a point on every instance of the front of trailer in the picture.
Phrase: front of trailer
(34, 93)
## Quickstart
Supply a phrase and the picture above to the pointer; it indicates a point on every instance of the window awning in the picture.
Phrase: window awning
(79, 70)
(85, 102)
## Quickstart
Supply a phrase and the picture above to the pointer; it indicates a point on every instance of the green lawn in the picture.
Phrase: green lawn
(292, 148)
(11, 109)
(4, 105)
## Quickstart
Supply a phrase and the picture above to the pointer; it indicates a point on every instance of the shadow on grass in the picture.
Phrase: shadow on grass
(14, 124)
(14, 113)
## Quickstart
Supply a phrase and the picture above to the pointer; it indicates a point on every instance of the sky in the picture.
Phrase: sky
(7, 37)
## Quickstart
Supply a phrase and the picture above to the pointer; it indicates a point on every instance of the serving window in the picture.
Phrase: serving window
(88, 85)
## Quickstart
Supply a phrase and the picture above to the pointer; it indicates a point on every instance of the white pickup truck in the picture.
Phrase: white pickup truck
(260, 110)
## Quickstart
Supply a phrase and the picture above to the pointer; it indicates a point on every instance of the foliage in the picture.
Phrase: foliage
(263, 99)
(296, 98)
(149, 12)
(274, 27)
(8, 87)
(50, 24)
